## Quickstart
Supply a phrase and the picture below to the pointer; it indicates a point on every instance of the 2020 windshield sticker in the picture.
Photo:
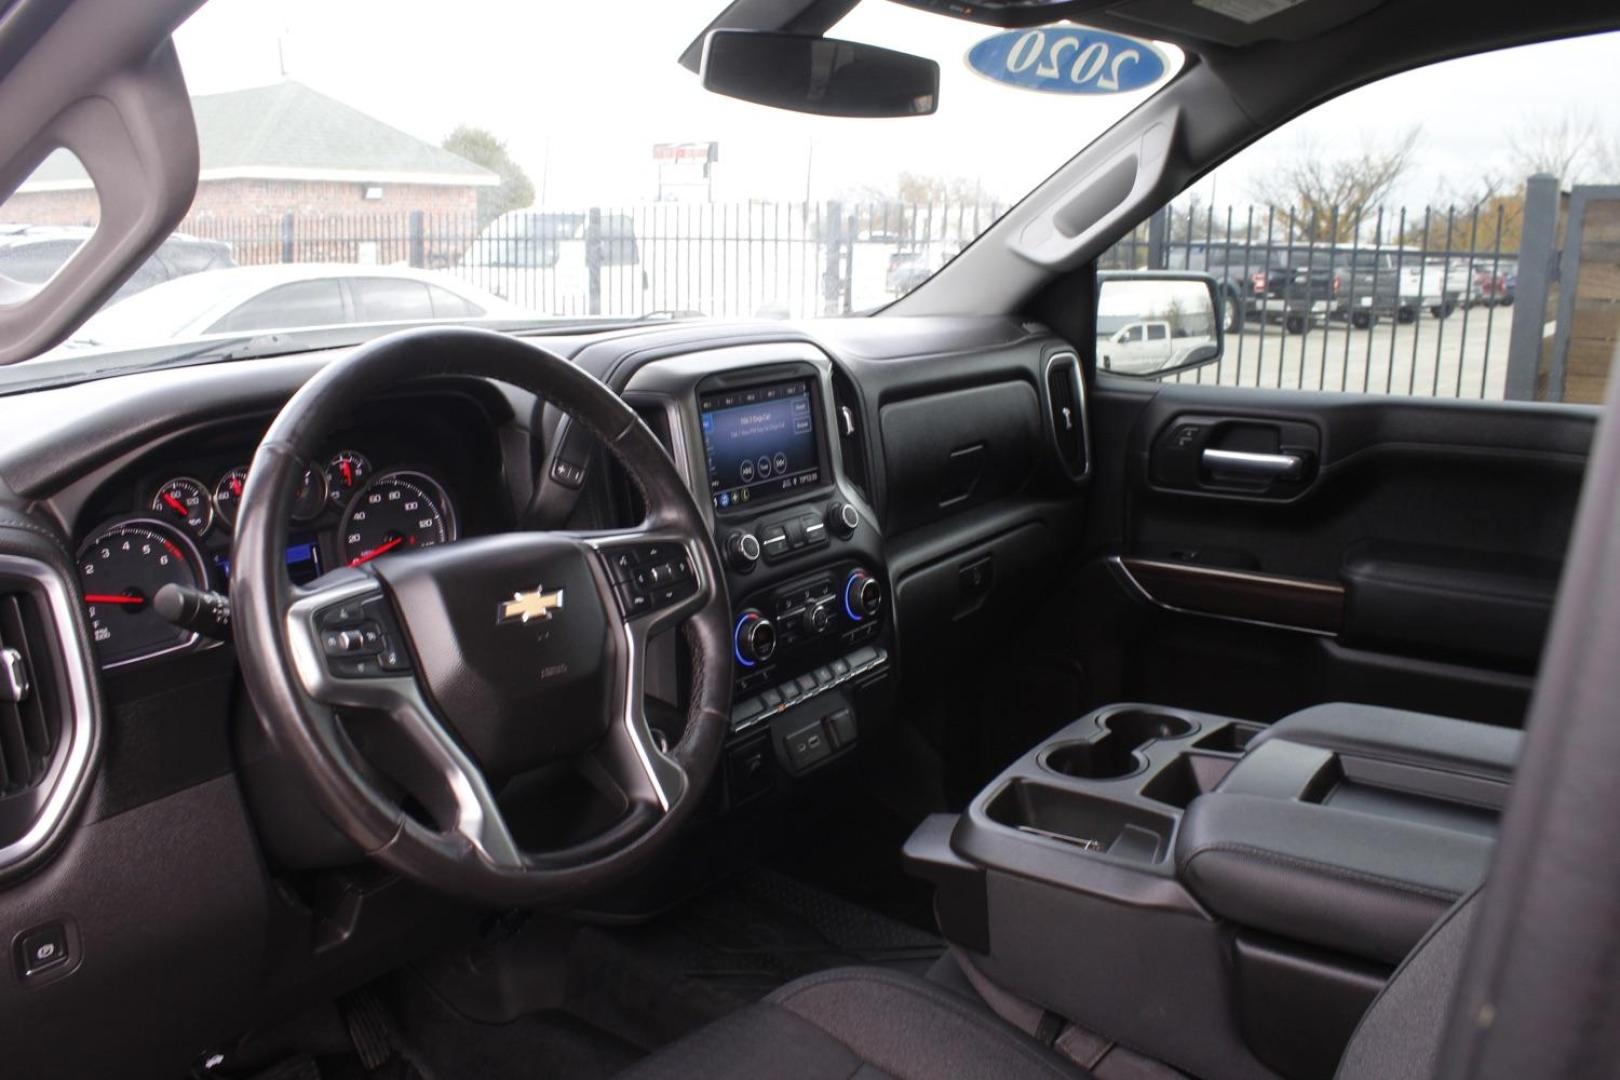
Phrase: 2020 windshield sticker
(1068, 60)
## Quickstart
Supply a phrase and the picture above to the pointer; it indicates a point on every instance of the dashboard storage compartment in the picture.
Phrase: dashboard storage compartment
(1090, 823)
(947, 452)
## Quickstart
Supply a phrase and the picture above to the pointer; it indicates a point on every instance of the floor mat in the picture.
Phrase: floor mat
(654, 982)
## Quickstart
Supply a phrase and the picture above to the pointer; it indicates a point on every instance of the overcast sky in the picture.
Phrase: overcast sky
(581, 92)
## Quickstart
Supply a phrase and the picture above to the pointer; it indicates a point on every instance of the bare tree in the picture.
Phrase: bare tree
(1320, 198)
(1559, 146)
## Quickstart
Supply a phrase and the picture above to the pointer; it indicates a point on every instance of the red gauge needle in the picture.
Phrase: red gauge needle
(236, 486)
(348, 474)
(176, 505)
(380, 549)
(108, 598)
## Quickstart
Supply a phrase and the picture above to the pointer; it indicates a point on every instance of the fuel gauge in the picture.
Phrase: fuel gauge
(346, 474)
(184, 502)
(228, 493)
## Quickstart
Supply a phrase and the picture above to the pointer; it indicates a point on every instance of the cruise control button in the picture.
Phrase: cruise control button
(631, 601)
(357, 667)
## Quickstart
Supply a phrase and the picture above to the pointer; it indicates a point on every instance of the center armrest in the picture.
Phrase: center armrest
(1356, 883)
(1410, 738)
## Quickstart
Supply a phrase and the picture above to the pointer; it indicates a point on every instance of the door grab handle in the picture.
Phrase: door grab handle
(1258, 466)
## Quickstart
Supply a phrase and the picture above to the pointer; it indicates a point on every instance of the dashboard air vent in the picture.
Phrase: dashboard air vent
(847, 416)
(30, 720)
(1066, 403)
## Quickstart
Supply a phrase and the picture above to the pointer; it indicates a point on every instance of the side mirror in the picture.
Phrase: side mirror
(818, 75)
(1179, 316)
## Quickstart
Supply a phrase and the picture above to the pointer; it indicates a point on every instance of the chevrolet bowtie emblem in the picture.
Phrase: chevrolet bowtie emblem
(524, 606)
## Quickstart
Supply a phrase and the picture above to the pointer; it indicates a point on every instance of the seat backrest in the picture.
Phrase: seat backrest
(1399, 1037)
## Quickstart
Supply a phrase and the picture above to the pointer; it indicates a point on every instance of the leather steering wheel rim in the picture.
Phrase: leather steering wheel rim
(474, 857)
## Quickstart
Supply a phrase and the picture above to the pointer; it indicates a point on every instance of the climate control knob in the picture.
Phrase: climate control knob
(843, 519)
(863, 596)
(754, 638)
(742, 551)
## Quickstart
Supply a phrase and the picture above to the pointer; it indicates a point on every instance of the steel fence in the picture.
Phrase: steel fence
(750, 259)
(1389, 301)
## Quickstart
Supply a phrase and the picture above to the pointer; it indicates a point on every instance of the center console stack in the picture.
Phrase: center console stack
(1211, 892)
(811, 640)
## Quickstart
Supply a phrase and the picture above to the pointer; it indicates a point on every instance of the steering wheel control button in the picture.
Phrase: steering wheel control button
(649, 576)
(356, 636)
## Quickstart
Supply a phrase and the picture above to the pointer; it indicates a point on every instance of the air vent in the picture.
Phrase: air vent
(1066, 406)
(847, 417)
(30, 718)
(47, 718)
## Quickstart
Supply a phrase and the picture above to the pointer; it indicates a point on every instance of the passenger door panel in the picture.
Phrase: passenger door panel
(1385, 550)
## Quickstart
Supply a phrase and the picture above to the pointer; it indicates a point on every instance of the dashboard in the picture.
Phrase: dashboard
(885, 493)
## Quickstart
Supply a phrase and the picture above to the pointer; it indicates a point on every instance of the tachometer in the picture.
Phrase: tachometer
(398, 511)
(121, 569)
(186, 503)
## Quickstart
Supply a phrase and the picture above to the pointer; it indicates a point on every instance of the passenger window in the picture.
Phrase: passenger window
(302, 303)
(1444, 232)
(390, 300)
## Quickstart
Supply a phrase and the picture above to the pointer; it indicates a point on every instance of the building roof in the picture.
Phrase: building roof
(287, 131)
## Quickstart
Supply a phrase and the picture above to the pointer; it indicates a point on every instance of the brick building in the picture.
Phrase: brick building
(274, 150)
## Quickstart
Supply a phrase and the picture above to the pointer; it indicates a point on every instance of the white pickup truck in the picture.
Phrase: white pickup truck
(1140, 348)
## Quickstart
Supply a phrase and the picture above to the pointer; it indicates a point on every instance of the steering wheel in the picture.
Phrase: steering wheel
(491, 657)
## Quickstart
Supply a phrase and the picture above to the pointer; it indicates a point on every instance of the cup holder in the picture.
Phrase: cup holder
(1113, 754)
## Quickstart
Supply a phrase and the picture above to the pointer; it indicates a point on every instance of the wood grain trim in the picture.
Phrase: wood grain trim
(1267, 599)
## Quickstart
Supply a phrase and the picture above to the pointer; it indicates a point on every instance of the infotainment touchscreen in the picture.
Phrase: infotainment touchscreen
(761, 442)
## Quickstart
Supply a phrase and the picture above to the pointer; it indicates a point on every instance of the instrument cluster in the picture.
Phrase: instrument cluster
(344, 513)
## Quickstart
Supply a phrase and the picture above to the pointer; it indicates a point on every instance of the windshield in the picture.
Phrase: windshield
(535, 161)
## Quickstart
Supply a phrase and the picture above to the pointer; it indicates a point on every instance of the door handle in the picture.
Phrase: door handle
(1254, 466)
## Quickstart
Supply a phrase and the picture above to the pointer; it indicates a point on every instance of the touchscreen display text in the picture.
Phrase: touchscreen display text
(761, 443)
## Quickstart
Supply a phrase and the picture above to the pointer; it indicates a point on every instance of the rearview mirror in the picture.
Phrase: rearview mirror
(818, 75)
(1152, 324)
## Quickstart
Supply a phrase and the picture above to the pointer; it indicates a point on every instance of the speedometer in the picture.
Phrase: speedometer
(121, 569)
(398, 511)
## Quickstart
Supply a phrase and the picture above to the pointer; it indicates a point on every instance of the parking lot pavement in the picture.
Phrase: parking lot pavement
(1461, 356)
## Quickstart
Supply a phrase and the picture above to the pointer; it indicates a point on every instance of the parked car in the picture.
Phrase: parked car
(1495, 282)
(251, 298)
(544, 261)
(32, 254)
